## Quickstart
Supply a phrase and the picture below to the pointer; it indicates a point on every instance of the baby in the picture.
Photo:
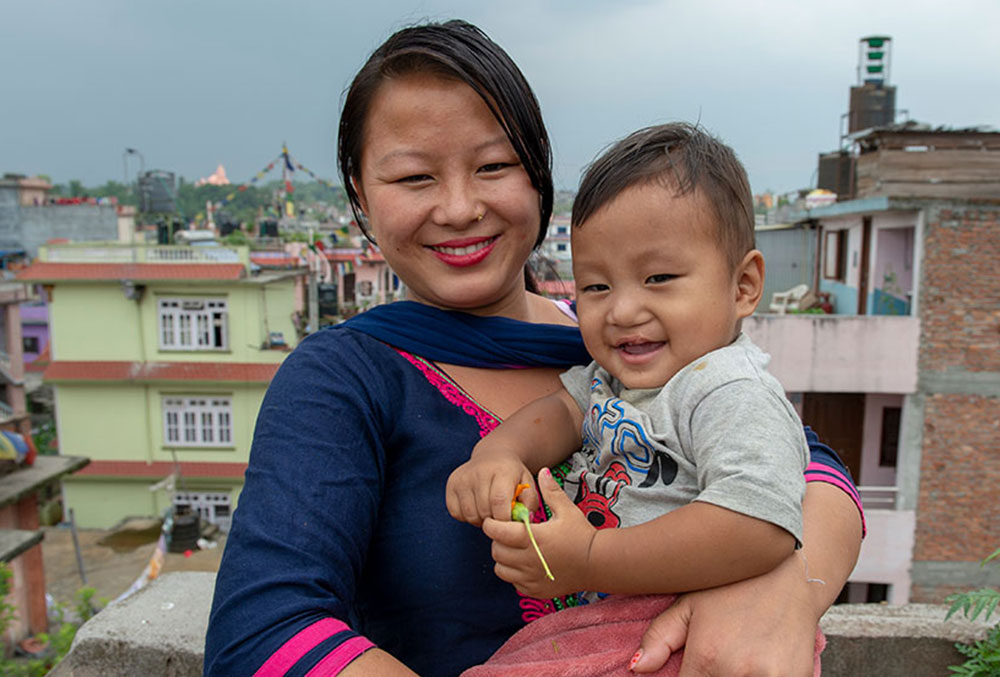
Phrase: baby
(676, 434)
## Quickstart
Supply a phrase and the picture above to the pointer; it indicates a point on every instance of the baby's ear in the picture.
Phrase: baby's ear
(749, 278)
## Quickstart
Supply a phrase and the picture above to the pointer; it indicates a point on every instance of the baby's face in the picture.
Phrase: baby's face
(654, 289)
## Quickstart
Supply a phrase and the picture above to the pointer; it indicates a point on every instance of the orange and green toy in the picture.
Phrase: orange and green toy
(519, 512)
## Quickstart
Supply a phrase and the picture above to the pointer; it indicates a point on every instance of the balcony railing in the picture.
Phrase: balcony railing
(110, 252)
(878, 498)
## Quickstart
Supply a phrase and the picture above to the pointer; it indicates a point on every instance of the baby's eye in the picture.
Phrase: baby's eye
(414, 178)
(595, 288)
(659, 278)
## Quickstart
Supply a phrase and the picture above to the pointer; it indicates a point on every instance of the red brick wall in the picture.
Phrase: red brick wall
(960, 291)
(958, 508)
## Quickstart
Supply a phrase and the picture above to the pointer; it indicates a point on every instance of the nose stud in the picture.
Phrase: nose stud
(480, 215)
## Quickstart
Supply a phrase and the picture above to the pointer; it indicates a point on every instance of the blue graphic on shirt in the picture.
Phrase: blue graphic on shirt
(626, 437)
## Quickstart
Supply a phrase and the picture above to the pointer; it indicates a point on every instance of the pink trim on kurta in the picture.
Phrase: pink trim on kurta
(337, 660)
(841, 483)
(453, 393)
(298, 646)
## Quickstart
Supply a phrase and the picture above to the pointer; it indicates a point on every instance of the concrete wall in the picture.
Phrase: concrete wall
(32, 226)
(826, 353)
(958, 514)
(160, 630)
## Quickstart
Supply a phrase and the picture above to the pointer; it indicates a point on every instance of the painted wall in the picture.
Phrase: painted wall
(873, 474)
(844, 293)
(892, 272)
(97, 322)
(35, 323)
(886, 552)
(100, 503)
(109, 421)
(836, 353)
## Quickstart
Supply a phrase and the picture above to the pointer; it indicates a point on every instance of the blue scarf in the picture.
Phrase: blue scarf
(470, 340)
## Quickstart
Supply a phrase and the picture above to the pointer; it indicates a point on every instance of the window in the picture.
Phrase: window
(30, 344)
(213, 507)
(835, 255)
(561, 247)
(193, 324)
(197, 421)
(889, 444)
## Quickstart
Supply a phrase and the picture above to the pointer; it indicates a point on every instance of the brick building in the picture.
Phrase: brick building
(914, 259)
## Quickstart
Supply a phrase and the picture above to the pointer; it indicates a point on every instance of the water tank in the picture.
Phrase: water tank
(835, 173)
(157, 192)
(872, 105)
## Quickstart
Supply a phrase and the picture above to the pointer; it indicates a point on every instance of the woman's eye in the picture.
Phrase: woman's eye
(659, 278)
(494, 167)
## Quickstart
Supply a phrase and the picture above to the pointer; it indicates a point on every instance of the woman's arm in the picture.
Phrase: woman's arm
(304, 522)
(765, 625)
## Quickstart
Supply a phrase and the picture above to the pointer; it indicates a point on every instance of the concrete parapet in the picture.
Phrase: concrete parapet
(895, 641)
(161, 631)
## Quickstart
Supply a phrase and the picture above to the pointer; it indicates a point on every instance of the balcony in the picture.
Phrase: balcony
(840, 353)
(112, 252)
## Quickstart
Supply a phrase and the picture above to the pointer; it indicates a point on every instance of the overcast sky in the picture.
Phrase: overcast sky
(195, 83)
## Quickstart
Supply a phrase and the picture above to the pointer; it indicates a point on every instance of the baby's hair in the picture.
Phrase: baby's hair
(681, 157)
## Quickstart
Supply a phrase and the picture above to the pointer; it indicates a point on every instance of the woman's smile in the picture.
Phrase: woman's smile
(465, 252)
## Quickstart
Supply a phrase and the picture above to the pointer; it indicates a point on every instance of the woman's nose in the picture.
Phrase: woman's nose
(457, 205)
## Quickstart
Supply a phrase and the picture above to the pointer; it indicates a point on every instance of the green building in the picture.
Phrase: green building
(160, 357)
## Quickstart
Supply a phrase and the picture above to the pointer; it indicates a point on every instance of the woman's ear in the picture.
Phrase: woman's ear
(749, 283)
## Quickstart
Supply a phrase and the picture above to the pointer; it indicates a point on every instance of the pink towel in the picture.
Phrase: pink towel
(595, 640)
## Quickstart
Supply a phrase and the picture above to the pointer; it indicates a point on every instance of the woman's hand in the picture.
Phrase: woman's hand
(761, 626)
(764, 625)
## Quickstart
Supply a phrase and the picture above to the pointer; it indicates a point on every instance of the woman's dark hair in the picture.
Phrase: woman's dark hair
(454, 49)
(683, 158)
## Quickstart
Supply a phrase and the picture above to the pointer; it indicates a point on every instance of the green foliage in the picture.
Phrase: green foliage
(59, 641)
(983, 657)
(45, 439)
(237, 238)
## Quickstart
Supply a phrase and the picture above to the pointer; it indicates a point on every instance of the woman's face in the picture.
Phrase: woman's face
(448, 201)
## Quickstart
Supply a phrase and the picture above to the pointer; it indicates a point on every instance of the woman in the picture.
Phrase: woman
(342, 538)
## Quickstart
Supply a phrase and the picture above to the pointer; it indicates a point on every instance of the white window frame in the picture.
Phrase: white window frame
(190, 323)
(197, 421)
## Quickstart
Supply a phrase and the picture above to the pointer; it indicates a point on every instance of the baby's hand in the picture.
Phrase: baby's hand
(564, 540)
(484, 486)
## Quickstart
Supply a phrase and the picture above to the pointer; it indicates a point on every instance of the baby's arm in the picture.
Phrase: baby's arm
(749, 454)
(697, 546)
(538, 435)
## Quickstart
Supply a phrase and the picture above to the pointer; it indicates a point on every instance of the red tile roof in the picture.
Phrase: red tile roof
(239, 372)
(43, 271)
(162, 469)
(41, 362)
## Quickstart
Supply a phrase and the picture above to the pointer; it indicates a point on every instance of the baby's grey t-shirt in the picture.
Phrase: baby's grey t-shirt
(720, 431)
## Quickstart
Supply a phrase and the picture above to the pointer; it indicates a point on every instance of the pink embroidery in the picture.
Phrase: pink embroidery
(487, 421)
(535, 608)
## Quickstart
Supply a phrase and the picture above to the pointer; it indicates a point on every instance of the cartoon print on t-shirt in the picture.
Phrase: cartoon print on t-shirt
(598, 505)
